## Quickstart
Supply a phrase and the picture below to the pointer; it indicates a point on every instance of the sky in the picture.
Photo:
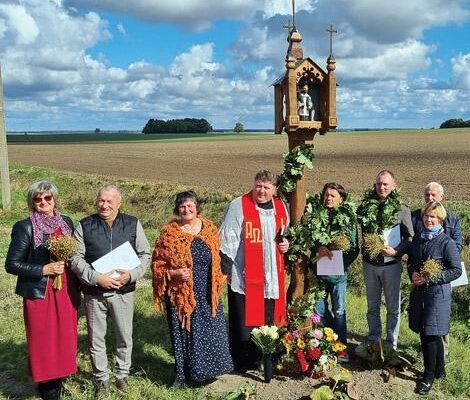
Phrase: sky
(114, 64)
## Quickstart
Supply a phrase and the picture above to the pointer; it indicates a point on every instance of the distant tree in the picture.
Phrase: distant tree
(186, 125)
(239, 128)
(97, 130)
(455, 123)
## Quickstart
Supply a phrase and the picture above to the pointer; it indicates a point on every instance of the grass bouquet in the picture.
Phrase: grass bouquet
(62, 247)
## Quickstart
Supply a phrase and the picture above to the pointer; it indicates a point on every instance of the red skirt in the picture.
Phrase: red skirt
(51, 330)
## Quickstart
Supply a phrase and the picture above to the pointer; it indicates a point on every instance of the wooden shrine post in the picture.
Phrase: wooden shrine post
(303, 79)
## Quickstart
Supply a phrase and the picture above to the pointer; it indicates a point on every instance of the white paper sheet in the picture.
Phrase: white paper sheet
(335, 266)
(392, 238)
(122, 257)
(462, 280)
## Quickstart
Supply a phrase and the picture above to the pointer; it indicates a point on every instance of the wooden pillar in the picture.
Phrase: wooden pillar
(4, 172)
(278, 109)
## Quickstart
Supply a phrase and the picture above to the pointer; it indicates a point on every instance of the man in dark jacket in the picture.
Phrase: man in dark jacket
(434, 191)
(382, 273)
(109, 293)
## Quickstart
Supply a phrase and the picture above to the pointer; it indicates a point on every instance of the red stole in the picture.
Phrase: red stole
(254, 265)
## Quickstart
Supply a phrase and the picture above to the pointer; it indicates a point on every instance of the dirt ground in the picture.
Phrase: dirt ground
(369, 384)
(352, 159)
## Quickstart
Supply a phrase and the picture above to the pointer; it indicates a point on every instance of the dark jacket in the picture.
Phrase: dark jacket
(27, 262)
(451, 226)
(99, 239)
(429, 308)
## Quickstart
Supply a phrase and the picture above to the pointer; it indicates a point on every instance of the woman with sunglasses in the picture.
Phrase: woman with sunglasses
(50, 314)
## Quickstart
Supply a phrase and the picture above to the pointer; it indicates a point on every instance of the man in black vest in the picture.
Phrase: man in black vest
(109, 293)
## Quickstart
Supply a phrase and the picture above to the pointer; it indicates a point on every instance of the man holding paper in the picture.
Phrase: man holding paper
(102, 237)
(382, 216)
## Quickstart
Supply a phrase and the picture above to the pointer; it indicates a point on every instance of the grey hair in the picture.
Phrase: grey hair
(109, 187)
(41, 187)
(434, 185)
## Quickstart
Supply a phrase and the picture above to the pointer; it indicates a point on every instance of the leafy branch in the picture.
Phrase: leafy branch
(294, 163)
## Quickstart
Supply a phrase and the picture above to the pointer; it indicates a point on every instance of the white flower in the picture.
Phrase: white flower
(314, 342)
(335, 337)
(323, 359)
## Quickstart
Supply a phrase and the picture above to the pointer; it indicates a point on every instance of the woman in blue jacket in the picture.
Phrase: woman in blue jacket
(433, 263)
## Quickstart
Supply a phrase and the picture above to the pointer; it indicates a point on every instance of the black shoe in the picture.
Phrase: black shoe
(423, 387)
(101, 388)
(122, 385)
(178, 384)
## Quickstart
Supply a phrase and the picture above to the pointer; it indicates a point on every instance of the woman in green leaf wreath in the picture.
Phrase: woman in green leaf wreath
(433, 263)
(331, 217)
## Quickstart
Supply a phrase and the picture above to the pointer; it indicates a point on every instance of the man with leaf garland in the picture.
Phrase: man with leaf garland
(252, 253)
(379, 211)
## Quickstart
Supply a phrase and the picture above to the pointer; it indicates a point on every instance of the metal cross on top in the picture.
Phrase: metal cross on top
(331, 31)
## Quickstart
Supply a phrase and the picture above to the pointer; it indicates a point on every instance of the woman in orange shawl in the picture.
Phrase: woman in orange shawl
(188, 281)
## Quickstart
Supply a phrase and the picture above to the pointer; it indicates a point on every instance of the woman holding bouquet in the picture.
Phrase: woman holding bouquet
(188, 281)
(50, 314)
(335, 215)
(433, 263)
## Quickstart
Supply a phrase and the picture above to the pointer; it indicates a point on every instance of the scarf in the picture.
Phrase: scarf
(254, 263)
(47, 225)
(173, 251)
(427, 234)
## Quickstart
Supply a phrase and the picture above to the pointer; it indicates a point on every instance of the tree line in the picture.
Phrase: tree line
(455, 123)
(186, 125)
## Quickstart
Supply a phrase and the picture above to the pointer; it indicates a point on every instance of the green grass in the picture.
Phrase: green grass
(152, 361)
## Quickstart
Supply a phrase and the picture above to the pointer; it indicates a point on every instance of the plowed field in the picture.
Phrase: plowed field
(352, 159)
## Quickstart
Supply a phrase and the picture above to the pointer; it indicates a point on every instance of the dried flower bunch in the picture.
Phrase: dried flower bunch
(61, 248)
(372, 244)
(431, 270)
(340, 242)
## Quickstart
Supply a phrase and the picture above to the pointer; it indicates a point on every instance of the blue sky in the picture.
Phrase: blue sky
(83, 64)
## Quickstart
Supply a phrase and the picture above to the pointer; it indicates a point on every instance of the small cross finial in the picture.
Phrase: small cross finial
(331, 31)
(289, 26)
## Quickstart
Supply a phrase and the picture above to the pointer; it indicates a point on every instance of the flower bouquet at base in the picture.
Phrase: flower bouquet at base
(61, 247)
(311, 350)
(268, 340)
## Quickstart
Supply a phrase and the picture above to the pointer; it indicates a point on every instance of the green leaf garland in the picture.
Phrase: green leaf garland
(374, 215)
(294, 162)
(314, 229)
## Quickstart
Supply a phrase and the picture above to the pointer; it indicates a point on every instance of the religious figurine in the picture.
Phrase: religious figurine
(305, 104)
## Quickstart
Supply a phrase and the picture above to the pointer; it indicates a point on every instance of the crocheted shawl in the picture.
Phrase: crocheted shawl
(173, 251)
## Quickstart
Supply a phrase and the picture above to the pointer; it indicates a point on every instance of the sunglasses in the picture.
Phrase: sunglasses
(47, 198)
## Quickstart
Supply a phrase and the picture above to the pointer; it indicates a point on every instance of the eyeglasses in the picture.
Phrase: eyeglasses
(47, 197)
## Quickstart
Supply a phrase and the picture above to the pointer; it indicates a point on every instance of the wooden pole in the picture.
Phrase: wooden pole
(4, 172)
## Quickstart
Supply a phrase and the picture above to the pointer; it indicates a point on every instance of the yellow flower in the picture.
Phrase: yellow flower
(300, 343)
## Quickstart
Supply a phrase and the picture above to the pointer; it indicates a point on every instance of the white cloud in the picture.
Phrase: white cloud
(121, 29)
(188, 13)
(461, 71)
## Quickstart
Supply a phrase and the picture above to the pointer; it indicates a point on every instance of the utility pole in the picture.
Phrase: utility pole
(4, 172)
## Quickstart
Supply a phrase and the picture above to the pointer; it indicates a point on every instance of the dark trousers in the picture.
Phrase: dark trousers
(244, 352)
(433, 356)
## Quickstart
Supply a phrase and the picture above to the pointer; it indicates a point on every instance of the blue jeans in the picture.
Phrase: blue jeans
(336, 318)
(387, 279)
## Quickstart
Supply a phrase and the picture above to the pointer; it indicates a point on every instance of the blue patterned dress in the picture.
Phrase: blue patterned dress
(203, 353)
